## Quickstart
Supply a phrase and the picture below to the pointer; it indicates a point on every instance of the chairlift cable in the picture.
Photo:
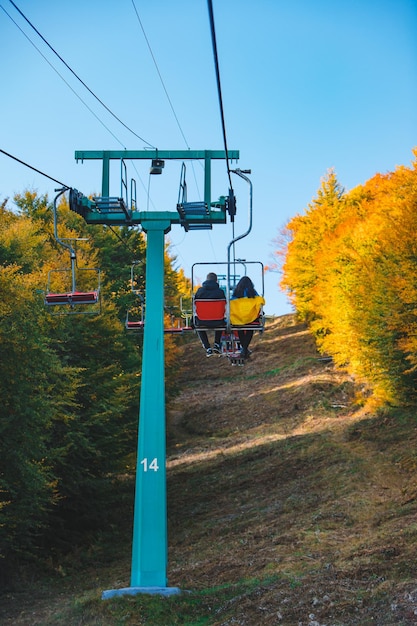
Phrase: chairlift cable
(116, 234)
(165, 90)
(219, 89)
(159, 74)
(73, 90)
(34, 169)
(78, 78)
(62, 78)
(59, 183)
(219, 92)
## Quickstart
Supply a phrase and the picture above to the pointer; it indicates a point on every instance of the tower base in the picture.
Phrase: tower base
(133, 591)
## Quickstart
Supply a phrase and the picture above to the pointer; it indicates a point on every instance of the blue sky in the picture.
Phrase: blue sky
(307, 85)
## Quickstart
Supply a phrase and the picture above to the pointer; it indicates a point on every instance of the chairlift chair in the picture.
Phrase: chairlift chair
(119, 205)
(135, 318)
(72, 287)
(135, 315)
(215, 314)
(186, 314)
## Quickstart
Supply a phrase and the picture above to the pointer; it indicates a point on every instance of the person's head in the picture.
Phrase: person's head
(212, 276)
(244, 288)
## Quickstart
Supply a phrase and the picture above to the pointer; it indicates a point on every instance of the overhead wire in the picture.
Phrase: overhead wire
(83, 102)
(77, 95)
(104, 105)
(163, 84)
(220, 97)
(71, 88)
(219, 87)
(159, 74)
(78, 78)
(34, 169)
(171, 106)
(61, 77)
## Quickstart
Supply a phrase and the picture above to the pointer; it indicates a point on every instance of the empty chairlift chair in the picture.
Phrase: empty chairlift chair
(62, 288)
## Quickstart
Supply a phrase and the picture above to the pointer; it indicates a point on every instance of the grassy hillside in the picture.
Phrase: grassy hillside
(289, 505)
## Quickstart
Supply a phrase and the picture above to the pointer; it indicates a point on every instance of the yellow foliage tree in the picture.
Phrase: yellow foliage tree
(306, 235)
(353, 276)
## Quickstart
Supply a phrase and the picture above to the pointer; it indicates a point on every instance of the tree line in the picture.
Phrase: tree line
(69, 384)
(349, 266)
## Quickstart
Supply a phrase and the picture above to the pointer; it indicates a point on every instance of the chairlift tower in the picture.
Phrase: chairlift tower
(150, 537)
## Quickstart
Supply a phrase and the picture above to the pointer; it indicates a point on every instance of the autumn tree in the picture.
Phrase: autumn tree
(306, 235)
(359, 289)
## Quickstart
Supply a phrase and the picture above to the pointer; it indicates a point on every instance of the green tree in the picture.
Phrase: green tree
(69, 383)
(31, 377)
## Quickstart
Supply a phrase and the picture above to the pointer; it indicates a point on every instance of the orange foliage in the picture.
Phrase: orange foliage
(351, 269)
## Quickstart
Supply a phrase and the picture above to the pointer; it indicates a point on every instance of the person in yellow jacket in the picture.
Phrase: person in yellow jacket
(245, 308)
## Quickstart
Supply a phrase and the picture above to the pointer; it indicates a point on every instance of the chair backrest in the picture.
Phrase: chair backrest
(210, 310)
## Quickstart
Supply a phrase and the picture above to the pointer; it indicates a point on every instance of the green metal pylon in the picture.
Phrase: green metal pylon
(150, 541)
(150, 537)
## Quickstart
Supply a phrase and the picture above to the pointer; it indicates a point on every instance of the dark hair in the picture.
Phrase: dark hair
(212, 276)
(244, 288)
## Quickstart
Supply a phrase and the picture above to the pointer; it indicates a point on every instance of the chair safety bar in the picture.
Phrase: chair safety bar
(73, 297)
(134, 325)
